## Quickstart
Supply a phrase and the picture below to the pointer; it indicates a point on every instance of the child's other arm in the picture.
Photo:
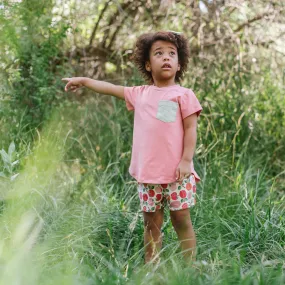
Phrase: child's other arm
(98, 86)
(190, 136)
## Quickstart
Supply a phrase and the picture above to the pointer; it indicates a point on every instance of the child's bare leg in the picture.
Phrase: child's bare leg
(182, 224)
(152, 234)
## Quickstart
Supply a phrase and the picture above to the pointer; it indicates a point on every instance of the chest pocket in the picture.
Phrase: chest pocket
(167, 111)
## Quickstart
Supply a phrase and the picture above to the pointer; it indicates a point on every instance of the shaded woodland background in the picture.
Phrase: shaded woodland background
(66, 194)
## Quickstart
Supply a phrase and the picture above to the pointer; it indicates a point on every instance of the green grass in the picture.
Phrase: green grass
(69, 211)
(72, 215)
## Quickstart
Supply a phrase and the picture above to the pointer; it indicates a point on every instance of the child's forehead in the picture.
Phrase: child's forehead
(162, 44)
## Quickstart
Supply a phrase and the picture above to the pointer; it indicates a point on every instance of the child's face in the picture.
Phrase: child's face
(163, 61)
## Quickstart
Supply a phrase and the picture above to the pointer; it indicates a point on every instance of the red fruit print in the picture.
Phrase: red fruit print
(150, 202)
(174, 196)
(157, 189)
(182, 194)
(175, 204)
(189, 195)
(158, 197)
(184, 206)
(145, 197)
(194, 189)
(164, 186)
(157, 207)
(173, 186)
(188, 186)
(151, 193)
(144, 208)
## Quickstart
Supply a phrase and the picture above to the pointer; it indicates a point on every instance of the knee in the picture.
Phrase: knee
(181, 221)
(151, 226)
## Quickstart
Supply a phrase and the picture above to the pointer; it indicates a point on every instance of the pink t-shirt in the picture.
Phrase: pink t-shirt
(158, 134)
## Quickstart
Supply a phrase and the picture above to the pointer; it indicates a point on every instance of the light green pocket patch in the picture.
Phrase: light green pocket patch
(167, 111)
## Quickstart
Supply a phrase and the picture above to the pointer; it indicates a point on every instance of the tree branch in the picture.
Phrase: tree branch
(113, 19)
(116, 31)
(97, 23)
(254, 19)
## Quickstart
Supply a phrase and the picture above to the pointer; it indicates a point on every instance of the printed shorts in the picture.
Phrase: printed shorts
(176, 195)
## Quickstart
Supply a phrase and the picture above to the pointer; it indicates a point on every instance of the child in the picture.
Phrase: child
(164, 136)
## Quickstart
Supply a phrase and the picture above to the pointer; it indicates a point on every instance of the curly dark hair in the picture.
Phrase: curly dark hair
(143, 46)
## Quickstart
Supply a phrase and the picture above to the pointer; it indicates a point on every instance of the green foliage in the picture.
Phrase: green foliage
(96, 240)
(243, 112)
(8, 161)
(72, 214)
(33, 41)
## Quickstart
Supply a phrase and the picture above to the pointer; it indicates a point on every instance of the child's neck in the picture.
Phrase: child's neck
(164, 83)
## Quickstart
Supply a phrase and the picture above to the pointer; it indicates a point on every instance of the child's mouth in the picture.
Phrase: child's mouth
(166, 66)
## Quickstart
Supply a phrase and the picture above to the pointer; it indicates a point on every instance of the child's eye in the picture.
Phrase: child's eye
(158, 52)
(172, 53)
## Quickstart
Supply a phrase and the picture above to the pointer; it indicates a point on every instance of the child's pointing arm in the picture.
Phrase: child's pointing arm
(98, 86)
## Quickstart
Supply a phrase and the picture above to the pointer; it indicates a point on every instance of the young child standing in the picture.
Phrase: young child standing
(164, 136)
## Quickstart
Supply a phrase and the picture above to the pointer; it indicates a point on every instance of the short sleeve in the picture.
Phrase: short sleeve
(189, 104)
(131, 94)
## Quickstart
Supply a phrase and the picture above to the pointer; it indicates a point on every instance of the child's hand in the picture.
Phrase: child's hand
(183, 170)
(73, 83)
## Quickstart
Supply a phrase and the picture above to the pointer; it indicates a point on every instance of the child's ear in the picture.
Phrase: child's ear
(178, 67)
(147, 66)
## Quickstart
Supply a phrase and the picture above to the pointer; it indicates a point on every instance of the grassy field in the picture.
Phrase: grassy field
(69, 209)
(70, 212)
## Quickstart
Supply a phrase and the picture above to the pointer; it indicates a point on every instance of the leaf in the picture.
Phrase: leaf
(2, 174)
(11, 148)
(15, 162)
(14, 177)
(5, 156)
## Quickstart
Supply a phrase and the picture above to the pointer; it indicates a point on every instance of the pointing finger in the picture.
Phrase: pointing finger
(65, 79)
(69, 84)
